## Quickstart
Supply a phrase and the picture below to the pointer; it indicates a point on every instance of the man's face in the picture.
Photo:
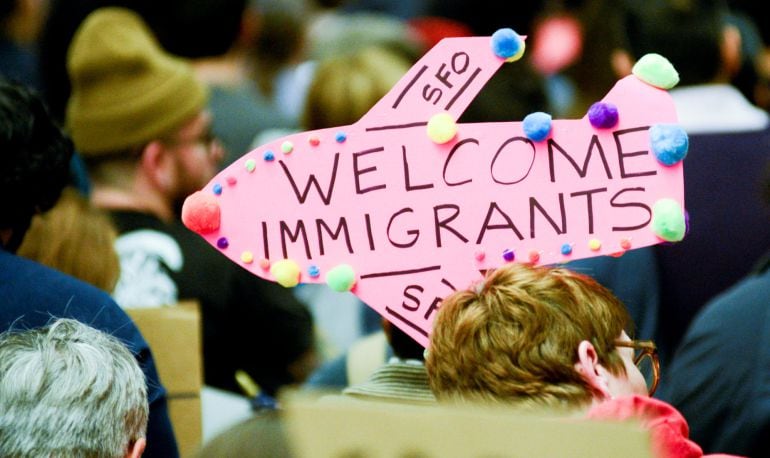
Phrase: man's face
(633, 381)
(196, 154)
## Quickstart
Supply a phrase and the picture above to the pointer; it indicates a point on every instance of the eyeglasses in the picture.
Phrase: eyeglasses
(206, 139)
(646, 359)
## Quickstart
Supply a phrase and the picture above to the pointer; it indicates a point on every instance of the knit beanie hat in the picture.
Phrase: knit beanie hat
(126, 90)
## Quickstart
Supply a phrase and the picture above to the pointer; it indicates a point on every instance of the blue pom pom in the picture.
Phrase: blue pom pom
(506, 43)
(603, 115)
(537, 126)
(669, 143)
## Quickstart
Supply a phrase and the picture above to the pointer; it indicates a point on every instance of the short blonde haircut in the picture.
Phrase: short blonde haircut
(345, 87)
(75, 238)
(514, 337)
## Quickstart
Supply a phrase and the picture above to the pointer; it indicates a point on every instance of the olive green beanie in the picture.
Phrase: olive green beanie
(126, 90)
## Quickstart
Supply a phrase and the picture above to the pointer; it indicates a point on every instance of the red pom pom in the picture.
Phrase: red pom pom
(201, 213)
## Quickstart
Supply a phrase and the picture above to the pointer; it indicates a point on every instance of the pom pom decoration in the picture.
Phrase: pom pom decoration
(313, 271)
(508, 45)
(537, 126)
(286, 272)
(201, 212)
(341, 278)
(669, 143)
(603, 115)
(668, 221)
(247, 257)
(441, 128)
(566, 249)
(656, 70)
(509, 255)
(250, 165)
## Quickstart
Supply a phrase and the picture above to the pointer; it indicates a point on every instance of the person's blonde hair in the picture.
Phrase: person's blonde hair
(75, 238)
(514, 337)
(345, 87)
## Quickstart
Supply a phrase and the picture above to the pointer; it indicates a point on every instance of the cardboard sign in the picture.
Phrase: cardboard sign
(405, 206)
(344, 428)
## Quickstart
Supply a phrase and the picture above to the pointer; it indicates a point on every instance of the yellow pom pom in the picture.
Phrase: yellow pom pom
(247, 257)
(286, 272)
(441, 128)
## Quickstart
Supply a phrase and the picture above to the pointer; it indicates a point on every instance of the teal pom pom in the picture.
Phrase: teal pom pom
(506, 43)
(537, 126)
(668, 221)
(669, 143)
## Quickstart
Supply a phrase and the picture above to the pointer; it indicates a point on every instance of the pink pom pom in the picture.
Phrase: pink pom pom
(201, 213)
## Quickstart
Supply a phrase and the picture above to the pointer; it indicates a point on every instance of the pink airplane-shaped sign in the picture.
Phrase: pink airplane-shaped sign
(405, 205)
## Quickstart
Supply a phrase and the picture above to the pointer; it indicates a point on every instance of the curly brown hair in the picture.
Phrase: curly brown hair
(514, 336)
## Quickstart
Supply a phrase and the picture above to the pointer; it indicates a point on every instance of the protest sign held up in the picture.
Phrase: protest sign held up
(406, 205)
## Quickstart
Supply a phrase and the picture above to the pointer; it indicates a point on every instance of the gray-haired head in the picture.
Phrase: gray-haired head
(69, 390)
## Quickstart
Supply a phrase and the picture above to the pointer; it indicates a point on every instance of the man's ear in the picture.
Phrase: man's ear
(136, 449)
(588, 366)
(731, 50)
(156, 164)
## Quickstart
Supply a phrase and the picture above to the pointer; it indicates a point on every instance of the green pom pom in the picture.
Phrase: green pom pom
(341, 278)
(668, 220)
(286, 273)
(657, 71)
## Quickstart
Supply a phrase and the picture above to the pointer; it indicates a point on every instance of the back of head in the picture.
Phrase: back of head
(34, 157)
(69, 390)
(514, 337)
(75, 238)
(345, 87)
(688, 33)
(126, 90)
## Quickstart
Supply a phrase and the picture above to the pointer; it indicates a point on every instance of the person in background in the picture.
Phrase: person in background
(402, 378)
(729, 141)
(343, 89)
(75, 238)
(34, 158)
(20, 24)
(545, 337)
(137, 115)
(68, 389)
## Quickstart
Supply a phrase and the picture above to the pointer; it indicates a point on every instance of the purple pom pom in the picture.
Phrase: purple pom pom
(603, 115)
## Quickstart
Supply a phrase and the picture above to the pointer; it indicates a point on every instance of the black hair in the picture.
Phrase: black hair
(34, 158)
(404, 346)
(686, 32)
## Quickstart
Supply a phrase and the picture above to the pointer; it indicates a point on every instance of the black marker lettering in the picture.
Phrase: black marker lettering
(589, 204)
(622, 156)
(414, 232)
(509, 224)
(299, 231)
(451, 155)
(630, 204)
(358, 172)
(510, 141)
(416, 300)
(407, 178)
(301, 197)
(534, 204)
(341, 226)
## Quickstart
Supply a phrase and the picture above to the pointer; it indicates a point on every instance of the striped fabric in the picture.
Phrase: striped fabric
(395, 381)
